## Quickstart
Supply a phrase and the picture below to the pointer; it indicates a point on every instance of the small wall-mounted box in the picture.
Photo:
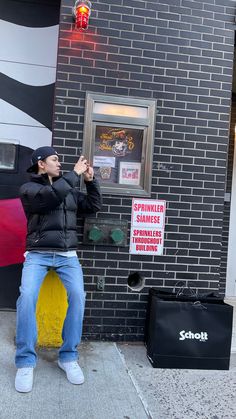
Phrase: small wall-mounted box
(110, 232)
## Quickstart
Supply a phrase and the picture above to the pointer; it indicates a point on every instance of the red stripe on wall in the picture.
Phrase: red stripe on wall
(12, 232)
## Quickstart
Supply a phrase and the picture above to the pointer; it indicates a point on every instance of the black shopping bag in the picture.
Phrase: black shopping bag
(188, 331)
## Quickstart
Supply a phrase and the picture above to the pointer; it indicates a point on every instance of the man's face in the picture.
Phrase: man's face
(50, 165)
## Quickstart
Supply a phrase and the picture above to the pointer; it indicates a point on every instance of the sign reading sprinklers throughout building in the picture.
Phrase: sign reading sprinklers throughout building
(147, 227)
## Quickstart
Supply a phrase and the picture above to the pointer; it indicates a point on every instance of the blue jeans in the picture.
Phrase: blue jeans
(35, 268)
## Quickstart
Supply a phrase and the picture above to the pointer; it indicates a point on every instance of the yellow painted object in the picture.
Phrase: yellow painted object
(51, 311)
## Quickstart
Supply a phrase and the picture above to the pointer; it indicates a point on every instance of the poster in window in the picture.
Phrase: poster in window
(129, 173)
(113, 146)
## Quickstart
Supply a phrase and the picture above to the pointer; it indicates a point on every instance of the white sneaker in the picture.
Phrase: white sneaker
(24, 379)
(73, 371)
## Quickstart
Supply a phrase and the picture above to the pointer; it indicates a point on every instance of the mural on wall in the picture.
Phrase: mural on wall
(28, 53)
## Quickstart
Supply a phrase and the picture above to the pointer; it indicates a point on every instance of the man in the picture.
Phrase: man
(51, 204)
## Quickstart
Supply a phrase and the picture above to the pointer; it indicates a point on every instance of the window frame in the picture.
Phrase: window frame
(93, 120)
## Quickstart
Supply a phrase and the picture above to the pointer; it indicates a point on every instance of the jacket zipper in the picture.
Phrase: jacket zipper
(38, 229)
(65, 220)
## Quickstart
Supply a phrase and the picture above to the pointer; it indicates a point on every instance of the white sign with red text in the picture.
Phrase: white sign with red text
(147, 227)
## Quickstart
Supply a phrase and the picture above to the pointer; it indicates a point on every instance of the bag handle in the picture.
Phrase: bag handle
(199, 304)
(181, 284)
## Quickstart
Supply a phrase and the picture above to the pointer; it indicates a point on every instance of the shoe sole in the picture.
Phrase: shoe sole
(21, 390)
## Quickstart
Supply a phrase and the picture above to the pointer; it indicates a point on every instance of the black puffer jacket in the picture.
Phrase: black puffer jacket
(51, 210)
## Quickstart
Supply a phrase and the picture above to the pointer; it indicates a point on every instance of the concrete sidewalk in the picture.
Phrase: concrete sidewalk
(120, 384)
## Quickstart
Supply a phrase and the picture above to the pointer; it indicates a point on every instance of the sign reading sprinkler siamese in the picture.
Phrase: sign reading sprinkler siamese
(147, 227)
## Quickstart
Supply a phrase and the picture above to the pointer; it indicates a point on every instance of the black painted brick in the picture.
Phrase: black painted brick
(179, 52)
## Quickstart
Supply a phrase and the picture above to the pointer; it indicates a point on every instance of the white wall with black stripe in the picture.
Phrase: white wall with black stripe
(28, 59)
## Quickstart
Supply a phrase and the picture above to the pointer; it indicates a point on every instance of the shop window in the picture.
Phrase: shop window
(8, 155)
(118, 139)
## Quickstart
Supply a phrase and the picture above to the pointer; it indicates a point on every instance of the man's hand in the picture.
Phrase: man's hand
(81, 166)
(88, 174)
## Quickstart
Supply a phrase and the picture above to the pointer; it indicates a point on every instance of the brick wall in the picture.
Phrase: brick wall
(179, 52)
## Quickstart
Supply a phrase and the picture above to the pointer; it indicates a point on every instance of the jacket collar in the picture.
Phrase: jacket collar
(43, 179)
